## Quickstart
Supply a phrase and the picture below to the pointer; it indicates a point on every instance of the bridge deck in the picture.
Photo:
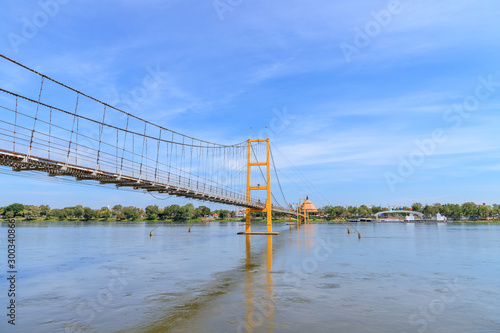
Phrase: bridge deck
(21, 162)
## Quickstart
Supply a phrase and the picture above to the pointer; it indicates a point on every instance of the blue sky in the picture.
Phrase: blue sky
(351, 101)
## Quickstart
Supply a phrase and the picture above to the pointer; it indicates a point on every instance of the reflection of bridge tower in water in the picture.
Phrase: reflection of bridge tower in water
(259, 301)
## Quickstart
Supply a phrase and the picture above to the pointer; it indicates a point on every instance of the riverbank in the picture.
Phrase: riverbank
(191, 221)
(114, 220)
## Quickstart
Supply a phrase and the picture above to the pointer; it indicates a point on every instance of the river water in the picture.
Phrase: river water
(114, 277)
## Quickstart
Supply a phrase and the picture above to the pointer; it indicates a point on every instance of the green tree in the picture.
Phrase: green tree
(129, 213)
(132, 213)
(31, 212)
(223, 213)
(456, 210)
(120, 216)
(430, 210)
(445, 210)
(353, 210)
(417, 207)
(163, 213)
(188, 210)
(44, 210)
(338, 211)
(328, 211)
(152, 212)
(117, 208)
(70, 211)
(495, 210)
(175, 212)
(79, 211)
(105, 213)
(15, 208)
(363, 210)
(9, 214)
(469, 209)
(483, 211)
(60, 214)
(204, 210)
(88, 213)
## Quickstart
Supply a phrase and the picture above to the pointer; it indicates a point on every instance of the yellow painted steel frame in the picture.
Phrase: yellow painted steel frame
(301, 203)
(267, 187)
(293, 209)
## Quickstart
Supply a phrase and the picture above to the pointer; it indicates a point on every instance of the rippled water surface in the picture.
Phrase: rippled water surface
(107, 277)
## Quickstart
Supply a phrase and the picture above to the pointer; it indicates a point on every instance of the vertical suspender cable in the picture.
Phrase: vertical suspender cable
(133, 155)
(50, 129)
(36, 117)
(191, 162)
(116, 153)
(124, 145)
(76, 144)
(72, 129)
(15, 127)
(157, 156)
(101, 129)
(142, 153)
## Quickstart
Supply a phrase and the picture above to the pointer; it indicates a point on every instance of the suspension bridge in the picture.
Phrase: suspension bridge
(53, 128)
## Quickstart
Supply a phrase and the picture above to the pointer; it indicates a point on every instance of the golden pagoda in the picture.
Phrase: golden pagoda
(308, 207)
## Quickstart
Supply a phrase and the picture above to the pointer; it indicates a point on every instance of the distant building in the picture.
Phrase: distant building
(410, 217)
(391, 219)
(308, 207)
(440, 217)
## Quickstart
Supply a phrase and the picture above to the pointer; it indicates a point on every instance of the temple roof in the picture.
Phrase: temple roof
(308, 206)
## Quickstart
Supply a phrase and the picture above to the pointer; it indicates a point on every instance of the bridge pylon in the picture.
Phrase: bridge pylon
(293, 207)
(268, 208)
(302, 210)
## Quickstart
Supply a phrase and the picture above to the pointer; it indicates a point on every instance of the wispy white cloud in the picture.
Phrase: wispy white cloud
(267, 72)
(353, 121)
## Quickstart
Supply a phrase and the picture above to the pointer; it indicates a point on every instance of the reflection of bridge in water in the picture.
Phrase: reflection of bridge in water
(47, 126)
(260, 305)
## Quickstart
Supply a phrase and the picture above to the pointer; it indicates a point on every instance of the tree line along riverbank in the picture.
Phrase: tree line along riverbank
(120, 213)
(467, 211)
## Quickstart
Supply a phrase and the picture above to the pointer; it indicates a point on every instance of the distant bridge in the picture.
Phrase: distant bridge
(399, 211)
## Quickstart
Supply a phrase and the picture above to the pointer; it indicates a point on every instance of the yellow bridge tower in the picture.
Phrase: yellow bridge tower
(268, 208)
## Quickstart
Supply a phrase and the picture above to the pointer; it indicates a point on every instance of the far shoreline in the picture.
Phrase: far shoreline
(191, 221)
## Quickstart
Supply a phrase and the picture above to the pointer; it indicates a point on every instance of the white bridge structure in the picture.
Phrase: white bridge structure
(377, 215)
